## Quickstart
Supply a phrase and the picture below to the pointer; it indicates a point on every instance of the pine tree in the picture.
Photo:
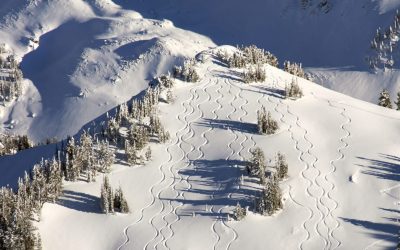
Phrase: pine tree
(104, 156)
(106, 196)
(293, 90)
(120, 203)
(239, 212)
(256, 165)
(384, 99)
(271, 198)
(131, 153)
(398, 101)
(148, 154)
(281, 167)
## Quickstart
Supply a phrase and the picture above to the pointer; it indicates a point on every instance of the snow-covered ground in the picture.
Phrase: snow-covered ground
(344, 168)
(334, 44)
(342, 191)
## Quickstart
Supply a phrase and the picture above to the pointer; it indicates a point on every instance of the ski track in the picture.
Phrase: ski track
(221, 219)
(310, 182)
(309, 210)
(212, 209)
(172, 185)
(180, 194)
(234, 110)
(180, 139)
(173, 210)
(334, 167)
(142, 211)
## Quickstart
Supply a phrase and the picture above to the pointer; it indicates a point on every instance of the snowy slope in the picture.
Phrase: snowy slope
(92, 55)
(341, 192)
(337, 41)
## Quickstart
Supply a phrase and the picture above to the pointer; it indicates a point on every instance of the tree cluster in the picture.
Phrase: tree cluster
(270, 199)
(265, 123)
(383, 45)
(294, 69)
(293, 90)
(112, 201)
(187, 72)
(254, 74)
(10, 76)
(11, 144)
(384, 100)
(91, 154)
(249, 55)
(18, 209)
(86, 158)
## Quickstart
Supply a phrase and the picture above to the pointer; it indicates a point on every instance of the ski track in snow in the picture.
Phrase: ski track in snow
(221, 219)
(172, 185)
(179, 194)
(309, 210)
(310, 182)
(334, 167)
(212, 209)
(152, 203)
(180, 140)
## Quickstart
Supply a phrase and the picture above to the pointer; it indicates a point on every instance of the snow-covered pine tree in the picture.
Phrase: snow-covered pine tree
(106, 196)
(281, 166)
(271, 198)
(256, 164)
(131, 153)
(120, 203)
(398, 101)
(293, 91)
(105, 157)
(384, 99)
(265, 123)
(239, 212)
(148, 154)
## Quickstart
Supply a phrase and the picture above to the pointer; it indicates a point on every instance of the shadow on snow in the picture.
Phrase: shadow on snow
(218, 183)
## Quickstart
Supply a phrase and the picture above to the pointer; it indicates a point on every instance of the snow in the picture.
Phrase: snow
(342, 190)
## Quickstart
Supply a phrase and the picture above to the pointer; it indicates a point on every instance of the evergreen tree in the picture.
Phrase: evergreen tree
(293, 90)
(384, 99)
(104, 156)
(256, 165)
(239, 212)
(281, 167)
(265, 123)
(131, 153)
(148, 154)
(120, 203)
(271, 198)
(398, 101)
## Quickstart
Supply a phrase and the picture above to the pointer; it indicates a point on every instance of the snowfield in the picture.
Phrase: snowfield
(343, 189)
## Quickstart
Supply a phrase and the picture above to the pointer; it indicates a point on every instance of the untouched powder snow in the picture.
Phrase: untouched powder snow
(342, 190)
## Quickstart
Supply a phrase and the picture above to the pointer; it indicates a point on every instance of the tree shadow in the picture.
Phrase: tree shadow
(219, 180)
(388, 168)
(243, 127)
(231, 75)
(277, 93)
(387, 232)
(80, 201)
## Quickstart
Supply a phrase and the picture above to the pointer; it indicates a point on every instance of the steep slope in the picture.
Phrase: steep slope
(90, 57)
(341, 191)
